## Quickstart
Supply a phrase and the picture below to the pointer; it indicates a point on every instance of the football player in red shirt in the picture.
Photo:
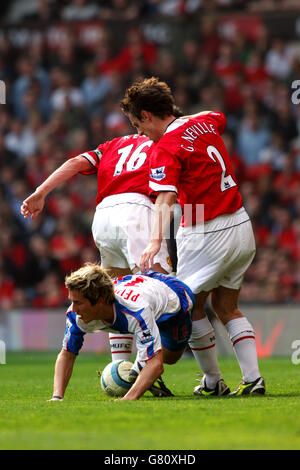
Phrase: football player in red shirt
(122, 221)
(215, 243)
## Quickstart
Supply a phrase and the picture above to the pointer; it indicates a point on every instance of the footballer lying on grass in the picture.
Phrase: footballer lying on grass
(155, 307)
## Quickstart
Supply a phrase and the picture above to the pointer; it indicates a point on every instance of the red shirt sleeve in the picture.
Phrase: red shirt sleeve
(93, 156)
(165, 169)
(219, 119)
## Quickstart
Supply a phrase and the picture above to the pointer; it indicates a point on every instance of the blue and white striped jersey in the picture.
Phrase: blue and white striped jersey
(143, 303)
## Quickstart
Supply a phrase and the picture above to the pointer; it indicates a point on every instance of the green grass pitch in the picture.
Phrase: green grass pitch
(88, 419)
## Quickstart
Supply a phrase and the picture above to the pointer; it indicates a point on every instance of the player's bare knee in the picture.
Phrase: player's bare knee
(171, 357)
(217, 306)
(170, 360)
(228, 315)
(232, 315)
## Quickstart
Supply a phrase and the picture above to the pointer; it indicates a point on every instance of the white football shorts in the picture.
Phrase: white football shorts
(121, 229)
(216, 253)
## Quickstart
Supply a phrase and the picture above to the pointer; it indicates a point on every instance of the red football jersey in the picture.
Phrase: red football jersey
(122, 166)
(191, 159)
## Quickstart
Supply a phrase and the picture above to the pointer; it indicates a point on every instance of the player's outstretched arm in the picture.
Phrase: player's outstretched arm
(62, 374)
(152, 370)
(34, 204)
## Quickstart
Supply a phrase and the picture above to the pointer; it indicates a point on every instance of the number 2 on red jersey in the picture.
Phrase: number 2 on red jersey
(226, 181)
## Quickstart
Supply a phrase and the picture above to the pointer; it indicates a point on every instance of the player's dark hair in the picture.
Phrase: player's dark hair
(177, 112)
(150, 95)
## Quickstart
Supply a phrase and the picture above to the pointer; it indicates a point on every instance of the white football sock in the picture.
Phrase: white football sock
(243, 342)
(120, 346)
(203, 346)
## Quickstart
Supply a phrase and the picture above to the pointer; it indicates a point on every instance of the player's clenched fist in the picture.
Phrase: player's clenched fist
(33, 205)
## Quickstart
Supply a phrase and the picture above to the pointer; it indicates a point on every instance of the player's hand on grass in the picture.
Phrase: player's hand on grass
(124, 399)
(56, 398)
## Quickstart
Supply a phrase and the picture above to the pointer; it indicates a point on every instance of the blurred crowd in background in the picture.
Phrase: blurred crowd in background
(63, 101)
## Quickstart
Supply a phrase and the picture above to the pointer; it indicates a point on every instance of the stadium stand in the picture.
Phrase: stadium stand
(65, 66)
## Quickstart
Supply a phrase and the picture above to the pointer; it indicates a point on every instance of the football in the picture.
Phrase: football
(114, 379)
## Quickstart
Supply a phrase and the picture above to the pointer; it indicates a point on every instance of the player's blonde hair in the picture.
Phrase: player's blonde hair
(149, 94)
(93, 282)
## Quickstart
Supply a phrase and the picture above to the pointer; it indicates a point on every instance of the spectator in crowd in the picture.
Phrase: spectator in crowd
(8, 156)
(278, 60)
(118, 10)
(66, 95)
(80, 10)
(136, 47)
(94, 88)
(27, 74)
(253, 137)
